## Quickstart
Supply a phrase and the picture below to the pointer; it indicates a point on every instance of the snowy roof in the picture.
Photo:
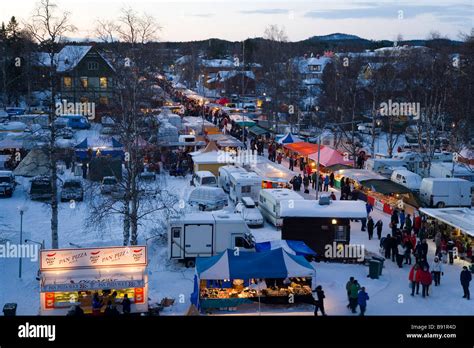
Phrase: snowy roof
(245, 176)
(311, 208)
(68, 58)
(224, 75)
(283, 194)
(461, 218)
(217, 63)
(303, 64)
(458, 168)
(208, 157)
(360, 174)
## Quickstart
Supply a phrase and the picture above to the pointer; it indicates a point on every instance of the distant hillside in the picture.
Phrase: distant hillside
(336, 37)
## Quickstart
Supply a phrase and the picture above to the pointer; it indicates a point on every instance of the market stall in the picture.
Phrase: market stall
(228, 280)
(288, 138)
(72, 277)
(329, 157)
(274, 175)
(386, 195)
(90, 148)
(456, 224)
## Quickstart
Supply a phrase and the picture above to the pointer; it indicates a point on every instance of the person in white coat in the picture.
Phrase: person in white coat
(437, 271)
(400, 255)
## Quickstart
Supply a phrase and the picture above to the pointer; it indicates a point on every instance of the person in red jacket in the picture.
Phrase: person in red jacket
(415, 277)
(425, 279)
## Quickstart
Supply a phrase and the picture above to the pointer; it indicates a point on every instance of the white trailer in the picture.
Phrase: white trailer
(206, 234)
(269, 203)
(224, 172)
(244, 185)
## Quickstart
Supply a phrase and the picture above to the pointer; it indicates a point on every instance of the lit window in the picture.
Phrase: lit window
(103, 82)
(93, 66)
(84, 82)
(67, 82)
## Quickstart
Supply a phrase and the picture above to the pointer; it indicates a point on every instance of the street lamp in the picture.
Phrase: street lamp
(22, 209)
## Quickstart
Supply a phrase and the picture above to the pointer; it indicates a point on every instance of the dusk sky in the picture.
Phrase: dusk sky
(240, 19)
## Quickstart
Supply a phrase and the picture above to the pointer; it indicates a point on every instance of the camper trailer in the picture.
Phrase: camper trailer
(206, 234)
(383, 166)
(224, 172)
(269, 203)
(406, 178)
(445, 192)
(446, 170)
(244, 185)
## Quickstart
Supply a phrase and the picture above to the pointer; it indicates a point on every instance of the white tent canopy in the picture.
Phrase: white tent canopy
(461, 218)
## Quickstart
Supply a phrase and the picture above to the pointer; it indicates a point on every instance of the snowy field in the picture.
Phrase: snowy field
(389, 295)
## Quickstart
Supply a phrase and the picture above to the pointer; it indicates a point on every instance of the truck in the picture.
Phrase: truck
(206, 234)
(445, 192)
(244, 185)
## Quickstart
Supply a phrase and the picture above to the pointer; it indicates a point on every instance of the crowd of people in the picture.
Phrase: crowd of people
(108, 301)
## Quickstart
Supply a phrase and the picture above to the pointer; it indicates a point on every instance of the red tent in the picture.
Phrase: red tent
(222, 101)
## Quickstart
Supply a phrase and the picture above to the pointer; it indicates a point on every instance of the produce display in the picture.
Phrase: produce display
(295, 288)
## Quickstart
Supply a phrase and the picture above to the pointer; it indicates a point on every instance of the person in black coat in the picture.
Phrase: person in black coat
(466, 278)
(370, 227)
(126, 304)
(379, 226)
(319, 303)
(393, 247)
(424, 248)
(386, 245)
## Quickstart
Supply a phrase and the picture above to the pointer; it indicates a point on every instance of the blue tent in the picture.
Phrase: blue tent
(288, 138)
(276, 263)
(294, 247)
(112, 148)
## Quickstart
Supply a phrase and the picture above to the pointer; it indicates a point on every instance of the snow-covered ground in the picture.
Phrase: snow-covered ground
(389, 295)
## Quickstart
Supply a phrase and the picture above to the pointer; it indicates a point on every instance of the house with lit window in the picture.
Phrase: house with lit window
(85, 76)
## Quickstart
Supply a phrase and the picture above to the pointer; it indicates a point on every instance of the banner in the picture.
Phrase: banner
(93, 257)
(93, 285)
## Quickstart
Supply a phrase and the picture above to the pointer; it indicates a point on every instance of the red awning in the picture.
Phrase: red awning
(302, 148)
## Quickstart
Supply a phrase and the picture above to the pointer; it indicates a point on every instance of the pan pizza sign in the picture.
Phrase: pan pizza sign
(93, 257)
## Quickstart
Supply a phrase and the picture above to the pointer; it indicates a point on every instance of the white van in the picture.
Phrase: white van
(204, 178)
(224, 172)
(269, 203)
(244, 185)
(406, 178)
(383, 166)
(445, 192)
(206, 234)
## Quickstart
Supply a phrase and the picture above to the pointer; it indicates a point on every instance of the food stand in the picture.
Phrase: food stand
(456, 224)
(229, 280)
(72, 276)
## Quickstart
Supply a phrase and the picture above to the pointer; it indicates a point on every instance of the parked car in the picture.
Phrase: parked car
(208, 198)
(40, 188)
(7, 183)
(249, 211)
(73, 121)
(204, 178)
(65, 133)
(72, 190)
(109, 183)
